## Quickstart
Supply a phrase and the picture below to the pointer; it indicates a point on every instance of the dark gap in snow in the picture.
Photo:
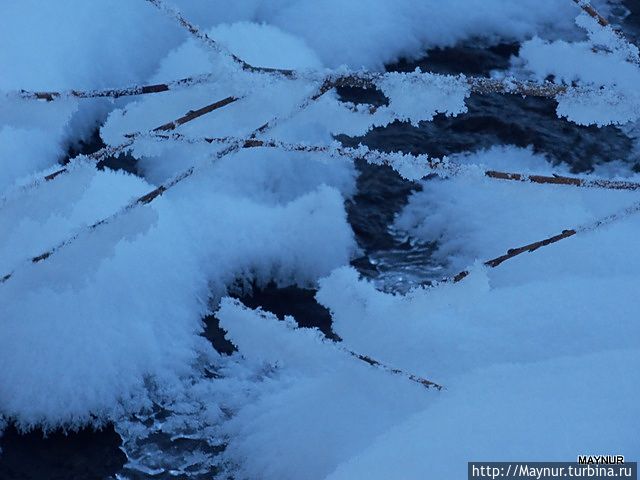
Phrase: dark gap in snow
(216, 335)
(86, 454)
(300, 303)
(395, 259)
(85, 147)
(471, 58)
(370, 96)
(498, 119)
(297, 302)
(381, 193)
(124, 161)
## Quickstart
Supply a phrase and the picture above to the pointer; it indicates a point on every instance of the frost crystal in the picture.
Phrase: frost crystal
(420, 96)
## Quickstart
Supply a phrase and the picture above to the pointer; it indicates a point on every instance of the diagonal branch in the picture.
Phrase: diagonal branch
(560, 180)
(477, 85)
(632, 53)
(109, 151)
(532, 247)
(211, 43)
(395, 371)
(50, 96)
(592, 12)
(164, 187)
(395, 161)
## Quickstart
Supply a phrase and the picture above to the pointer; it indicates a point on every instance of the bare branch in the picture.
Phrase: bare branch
(592, 12)
(212, 44)
(108, 151)
(560, 180)
(532, 247)
(395, 371)
(160, 190)
(50, 96)
(632, 53)
(193, 114)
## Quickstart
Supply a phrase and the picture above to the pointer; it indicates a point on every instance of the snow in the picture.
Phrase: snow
(107, 326)
(127, 337)
(433, 95)
(302, 405)
(495, 215)
(533, 411)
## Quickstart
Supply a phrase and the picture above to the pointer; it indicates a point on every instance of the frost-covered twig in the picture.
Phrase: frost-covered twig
(616, 38)
(211, 43)
(408, 165)
(592, 12)
(477, 85)
(395, 371)
(50, 96)
(172, 182)
(560, 180)
(532, 247)
(109, 150)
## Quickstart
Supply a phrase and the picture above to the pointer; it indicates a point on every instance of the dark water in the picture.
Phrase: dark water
(83, 455)
(390, 258)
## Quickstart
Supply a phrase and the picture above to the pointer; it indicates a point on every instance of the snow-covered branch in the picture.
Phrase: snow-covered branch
(532, 247)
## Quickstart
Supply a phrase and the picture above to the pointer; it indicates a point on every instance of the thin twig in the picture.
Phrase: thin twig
(50, 96)
(477, 85)
(532, 247)
(109, 151)
(395, 371)
(211, 43)
(160, 190)
(560, 180)
(376, 156)
(592, 12)
(193, 114)
(632, 54)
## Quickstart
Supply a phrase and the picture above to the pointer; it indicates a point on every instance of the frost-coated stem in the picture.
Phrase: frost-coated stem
(160, 190)
(109, 150)
(172, 125)
(560, 180)
(592, 12)
(211, 43)
(50, 96)
(477, 85)
(532, 247)
(395, 371)
(377, 157)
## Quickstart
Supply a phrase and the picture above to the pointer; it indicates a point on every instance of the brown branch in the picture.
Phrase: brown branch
(211, 43)
(50, 96)
(592, 12)
(560, 180)
(586, 7)
(131, 137)
(532, 247)
(377, 156)
(193, 114)
(514, 252)
(160, 190)
(395, 371)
